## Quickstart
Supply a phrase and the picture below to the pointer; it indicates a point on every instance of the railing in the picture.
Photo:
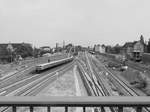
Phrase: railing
(138, 103)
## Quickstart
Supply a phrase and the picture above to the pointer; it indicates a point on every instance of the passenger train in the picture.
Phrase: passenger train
(45, 66)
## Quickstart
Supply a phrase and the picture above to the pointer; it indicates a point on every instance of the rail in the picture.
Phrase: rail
(110, 101)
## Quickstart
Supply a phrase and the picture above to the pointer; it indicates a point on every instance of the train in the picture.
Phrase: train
(49, 65)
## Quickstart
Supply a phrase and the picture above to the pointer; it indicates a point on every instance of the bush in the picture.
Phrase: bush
(140, 82)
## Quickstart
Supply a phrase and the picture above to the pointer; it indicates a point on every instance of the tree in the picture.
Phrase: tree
(116, 49)
(24, 50)
(148, 46)
(10, 50)
(142, 39)
(36, 52)
(67, 47)
(108, 49)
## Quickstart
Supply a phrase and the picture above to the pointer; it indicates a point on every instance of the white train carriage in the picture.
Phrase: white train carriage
(45, 66)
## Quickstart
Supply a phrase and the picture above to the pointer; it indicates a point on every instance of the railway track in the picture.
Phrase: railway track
(97, 77)
(90, 81)
(19, 76)
(91, 77)
(18, 84)
(29, 63)
(117, 79)
(36, 85)
(127, 89)
(21, 73)
(136, 66)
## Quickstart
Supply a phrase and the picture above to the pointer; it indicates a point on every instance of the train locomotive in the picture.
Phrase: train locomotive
(48, 65)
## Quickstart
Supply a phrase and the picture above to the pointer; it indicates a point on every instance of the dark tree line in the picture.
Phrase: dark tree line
(114, 50)
(24, 51)
(10, 54)
(148, 46)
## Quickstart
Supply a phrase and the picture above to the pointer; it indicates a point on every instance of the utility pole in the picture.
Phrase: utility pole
(63, 44)
(34, 54)
(74, 49)
(56, 47)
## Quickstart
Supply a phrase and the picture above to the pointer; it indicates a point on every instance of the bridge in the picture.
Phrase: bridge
(119, 103)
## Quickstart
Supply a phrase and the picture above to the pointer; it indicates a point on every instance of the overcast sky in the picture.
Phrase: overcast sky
(85, 22)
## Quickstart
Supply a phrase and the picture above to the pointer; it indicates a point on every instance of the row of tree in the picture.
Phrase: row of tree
(11, 52)
(148, 46)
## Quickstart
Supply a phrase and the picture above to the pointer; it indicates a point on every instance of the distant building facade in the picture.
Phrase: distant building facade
(100, 48)
(134, 50)
(45, 48)
(128, 49)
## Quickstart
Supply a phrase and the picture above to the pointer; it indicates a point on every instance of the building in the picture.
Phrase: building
(128, 49)
(134, 50)
(100, 48)
(45, 48)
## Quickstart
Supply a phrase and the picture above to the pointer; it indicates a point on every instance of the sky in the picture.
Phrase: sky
(81, 22)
